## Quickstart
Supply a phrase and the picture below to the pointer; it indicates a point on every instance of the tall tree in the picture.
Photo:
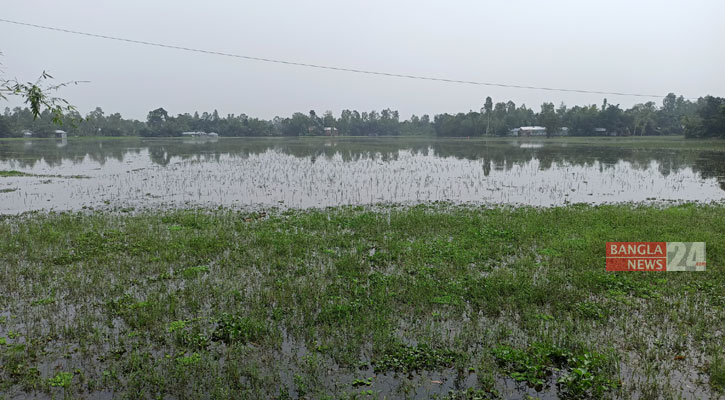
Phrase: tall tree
(644, 118)
(709, 119)
(549, 119)
(488, 107)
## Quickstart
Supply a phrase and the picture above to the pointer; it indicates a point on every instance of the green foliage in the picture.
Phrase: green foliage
(591, 310)
(708, 120)
(37, 96)
(300, 293)
(193, 272)
(189, 361)
(44, 301)
(137, 314)
(473, 394)
(188, 334)
(62, 379)
(12, 173)
(237, 329)
(404, 358)
(701, 119)
(176, 326)
(581, 374)
(716, 370)
(362, 382)
(549, 119)
(530, 367)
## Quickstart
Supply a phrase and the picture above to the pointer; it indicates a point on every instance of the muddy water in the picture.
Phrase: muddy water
(318, 172)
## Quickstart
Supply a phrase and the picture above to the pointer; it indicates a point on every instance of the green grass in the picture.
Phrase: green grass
(63, 379)
(323, 303)
(717, 372)
(581, 374)
(12, 173)
(15, 174)
(404, 358)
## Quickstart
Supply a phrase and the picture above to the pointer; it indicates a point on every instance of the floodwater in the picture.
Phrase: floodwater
(319, 172)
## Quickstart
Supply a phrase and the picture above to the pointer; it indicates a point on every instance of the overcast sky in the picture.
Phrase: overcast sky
(651, 47)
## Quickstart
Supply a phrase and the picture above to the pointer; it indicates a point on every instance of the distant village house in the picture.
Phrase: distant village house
(537, 131)
(198, 134)
(532, 131)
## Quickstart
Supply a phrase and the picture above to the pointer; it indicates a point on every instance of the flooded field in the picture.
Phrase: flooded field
(269, 296)
(420, 302)
(317, 172)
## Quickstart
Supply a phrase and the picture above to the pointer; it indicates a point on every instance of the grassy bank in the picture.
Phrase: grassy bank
(351, 302)
(19, 174)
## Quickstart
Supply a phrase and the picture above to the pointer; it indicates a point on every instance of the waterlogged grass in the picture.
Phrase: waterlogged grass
(717, 372)
(63, 379)
(15, 174)
(192, 272)
(321, 171)
(404, 358)
(580, 374)
(429, 301)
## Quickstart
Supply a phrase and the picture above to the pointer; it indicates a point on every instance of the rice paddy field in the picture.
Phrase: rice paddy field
(298, 173)
(115, 293)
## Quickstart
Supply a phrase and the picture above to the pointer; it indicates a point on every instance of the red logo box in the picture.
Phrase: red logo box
(637, 256)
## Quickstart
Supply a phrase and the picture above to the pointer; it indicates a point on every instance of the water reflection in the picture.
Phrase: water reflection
(322, 172)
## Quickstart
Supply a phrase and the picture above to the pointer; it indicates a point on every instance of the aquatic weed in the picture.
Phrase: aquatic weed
(582, 373)
(404, 358)
(234, 328)
(62, 379)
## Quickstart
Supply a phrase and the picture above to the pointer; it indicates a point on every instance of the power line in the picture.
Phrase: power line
(327, 67)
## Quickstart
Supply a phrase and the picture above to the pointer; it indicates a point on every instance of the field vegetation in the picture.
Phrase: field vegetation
(358, 302)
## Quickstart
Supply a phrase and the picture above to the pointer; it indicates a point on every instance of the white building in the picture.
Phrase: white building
(213, 134)
(532, 131)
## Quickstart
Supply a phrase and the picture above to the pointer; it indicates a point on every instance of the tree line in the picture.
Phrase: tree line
(676, 115)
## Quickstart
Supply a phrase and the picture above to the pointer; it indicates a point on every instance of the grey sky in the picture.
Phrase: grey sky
(623, 46)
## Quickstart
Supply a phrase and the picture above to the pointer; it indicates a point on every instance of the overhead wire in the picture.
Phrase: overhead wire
(326, 67)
